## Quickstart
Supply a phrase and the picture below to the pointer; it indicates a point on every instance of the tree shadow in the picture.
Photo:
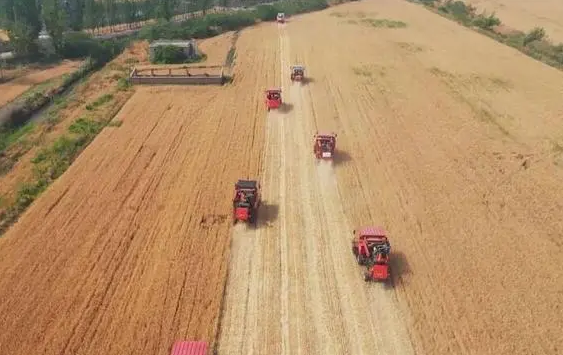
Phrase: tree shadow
(340, 157)
(267, 213)
(285, 107)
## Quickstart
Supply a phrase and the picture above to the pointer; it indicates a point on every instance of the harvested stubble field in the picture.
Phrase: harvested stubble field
(448, 139)
(21, 81)
(525, 15)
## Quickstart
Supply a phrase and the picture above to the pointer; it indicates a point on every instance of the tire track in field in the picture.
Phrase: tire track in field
(324, 306)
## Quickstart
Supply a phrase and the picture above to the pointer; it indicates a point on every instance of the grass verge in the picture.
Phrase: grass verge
(49, 154)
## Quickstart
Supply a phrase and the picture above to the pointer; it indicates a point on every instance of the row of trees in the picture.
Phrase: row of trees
(24, 19)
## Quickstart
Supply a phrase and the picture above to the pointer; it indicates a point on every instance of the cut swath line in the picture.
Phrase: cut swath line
(284, 294)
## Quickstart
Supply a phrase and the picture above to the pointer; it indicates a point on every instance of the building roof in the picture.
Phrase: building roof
(177, 43)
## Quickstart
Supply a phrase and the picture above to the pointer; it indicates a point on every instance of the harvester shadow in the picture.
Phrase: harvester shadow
(267, 213)
(307, 80)
(340, 157)
(285, 107)
(399, 266)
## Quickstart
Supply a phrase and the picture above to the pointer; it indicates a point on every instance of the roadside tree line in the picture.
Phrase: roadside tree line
(25, 19)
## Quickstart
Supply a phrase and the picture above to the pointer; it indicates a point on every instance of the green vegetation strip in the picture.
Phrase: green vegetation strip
(51, 162)
(533, 43)
(383, 23)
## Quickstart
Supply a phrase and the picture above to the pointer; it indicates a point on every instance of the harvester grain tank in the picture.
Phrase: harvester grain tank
(246, 201)
(324, 145)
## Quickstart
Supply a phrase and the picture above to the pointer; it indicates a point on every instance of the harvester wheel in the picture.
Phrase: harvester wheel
(360, 259)
(367, 277)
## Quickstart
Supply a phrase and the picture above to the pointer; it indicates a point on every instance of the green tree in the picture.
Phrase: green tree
(110, 10)
(536, 34)
(6, 12)
(23, 23)
(129, 10)
(90, 14)
(165, 9)
(204, 5)
(75, 10)
(55, 18)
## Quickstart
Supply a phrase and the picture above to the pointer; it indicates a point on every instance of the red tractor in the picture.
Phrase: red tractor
(371, 248)
(273, 98)
(325, 144)
(297, 73)
(246, 201)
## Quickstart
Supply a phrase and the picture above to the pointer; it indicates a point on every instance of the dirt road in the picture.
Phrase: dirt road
(14, 88)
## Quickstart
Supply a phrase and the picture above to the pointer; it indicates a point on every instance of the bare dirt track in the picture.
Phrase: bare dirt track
(525, 15)
(131, 250)
(448, 139)
(14, 88)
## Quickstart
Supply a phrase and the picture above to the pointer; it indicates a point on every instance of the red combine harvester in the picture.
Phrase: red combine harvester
(246, 201)
(273, 98)
(371, 248)
(189, 348)
(297, 73)
(325, 144)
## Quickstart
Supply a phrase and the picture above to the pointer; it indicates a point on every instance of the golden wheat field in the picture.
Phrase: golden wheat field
(446, 138)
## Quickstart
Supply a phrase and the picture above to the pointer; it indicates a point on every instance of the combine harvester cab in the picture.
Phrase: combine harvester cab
(297, 73)
(189, 348)
(372, 248)
(246, 201)
(325, 144)
(273, 98)
(280, 18)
